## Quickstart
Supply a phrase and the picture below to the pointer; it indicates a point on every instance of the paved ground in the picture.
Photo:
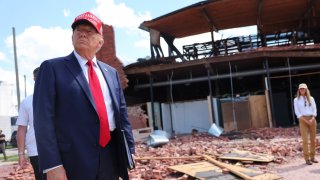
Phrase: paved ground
(12, 151)
(294, 169)
(298, 170)
(9, 152)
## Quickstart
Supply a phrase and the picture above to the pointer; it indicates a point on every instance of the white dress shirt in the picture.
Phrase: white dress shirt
(104, 87)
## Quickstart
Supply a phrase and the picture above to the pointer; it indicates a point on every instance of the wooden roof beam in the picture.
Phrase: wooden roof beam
(259, 23)
(210, 22)
(260, 5)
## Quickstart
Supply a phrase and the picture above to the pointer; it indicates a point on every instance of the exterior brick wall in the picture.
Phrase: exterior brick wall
(108, 55)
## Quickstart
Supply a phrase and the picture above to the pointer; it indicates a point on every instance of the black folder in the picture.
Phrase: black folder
(130, 161)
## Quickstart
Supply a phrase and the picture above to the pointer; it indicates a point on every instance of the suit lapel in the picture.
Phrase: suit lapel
(75, 68)
(109, 79)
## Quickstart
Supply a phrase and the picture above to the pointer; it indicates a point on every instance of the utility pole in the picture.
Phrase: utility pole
(16, 66)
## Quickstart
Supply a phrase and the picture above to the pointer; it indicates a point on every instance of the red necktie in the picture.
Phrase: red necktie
(100, 105)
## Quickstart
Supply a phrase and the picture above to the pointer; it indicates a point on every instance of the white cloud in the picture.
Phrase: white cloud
(66, 12)
(124, 17)
(119, 15)
(35, 45)
(2, 56)
(4, 59)
(143, 43)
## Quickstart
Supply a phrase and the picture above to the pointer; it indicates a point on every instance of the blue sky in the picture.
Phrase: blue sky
(43, 30)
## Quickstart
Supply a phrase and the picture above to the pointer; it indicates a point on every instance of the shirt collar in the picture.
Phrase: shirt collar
(82, 61)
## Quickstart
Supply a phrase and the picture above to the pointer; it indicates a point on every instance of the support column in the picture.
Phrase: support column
(291, 94)
(269, 89)
(152, 101)
(213, 120)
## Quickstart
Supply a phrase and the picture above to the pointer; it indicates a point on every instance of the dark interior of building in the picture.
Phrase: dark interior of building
(284, 53)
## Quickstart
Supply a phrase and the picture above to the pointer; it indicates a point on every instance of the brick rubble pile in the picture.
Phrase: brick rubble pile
(15, 172)
(282, 143)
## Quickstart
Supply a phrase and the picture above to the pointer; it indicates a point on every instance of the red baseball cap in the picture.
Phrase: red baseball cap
(90, 18)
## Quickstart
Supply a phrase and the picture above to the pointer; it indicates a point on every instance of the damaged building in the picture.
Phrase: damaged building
(238, 82)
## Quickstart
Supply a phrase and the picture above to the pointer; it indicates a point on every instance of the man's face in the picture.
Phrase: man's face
(86, 39)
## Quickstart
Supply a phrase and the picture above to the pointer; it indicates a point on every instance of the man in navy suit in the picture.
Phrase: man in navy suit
(80, 111)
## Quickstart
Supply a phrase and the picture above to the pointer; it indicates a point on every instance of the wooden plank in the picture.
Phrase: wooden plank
(268, 108)
(227, 116)
(258, 111)
(247, 156)
(166, 158)
(202, 170)
(242, 119)
(242, 115)
(245, 173)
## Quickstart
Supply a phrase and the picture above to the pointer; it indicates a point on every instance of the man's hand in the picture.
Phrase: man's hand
(57, 174)
(23, 162)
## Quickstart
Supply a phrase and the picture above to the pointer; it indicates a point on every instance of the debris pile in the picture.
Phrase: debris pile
(281, 143)
(15, 172)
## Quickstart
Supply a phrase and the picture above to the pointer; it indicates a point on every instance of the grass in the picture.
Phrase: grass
(9, 146)
(9, 158)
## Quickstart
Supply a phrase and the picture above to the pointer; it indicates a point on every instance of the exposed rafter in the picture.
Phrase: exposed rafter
(270, 15)
(223, 59)
(210, 22)
(305, 14)
(260, 5)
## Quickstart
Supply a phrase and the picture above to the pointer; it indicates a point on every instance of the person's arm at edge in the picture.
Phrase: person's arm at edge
(296, 108)
(314, 108)
(21, 135)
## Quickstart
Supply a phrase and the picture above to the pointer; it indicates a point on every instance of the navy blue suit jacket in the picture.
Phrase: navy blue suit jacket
(65, 118)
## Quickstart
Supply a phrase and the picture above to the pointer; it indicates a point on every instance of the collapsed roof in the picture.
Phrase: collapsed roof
(270, 16)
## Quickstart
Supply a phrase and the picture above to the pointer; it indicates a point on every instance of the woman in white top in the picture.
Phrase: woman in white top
(306, 111)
